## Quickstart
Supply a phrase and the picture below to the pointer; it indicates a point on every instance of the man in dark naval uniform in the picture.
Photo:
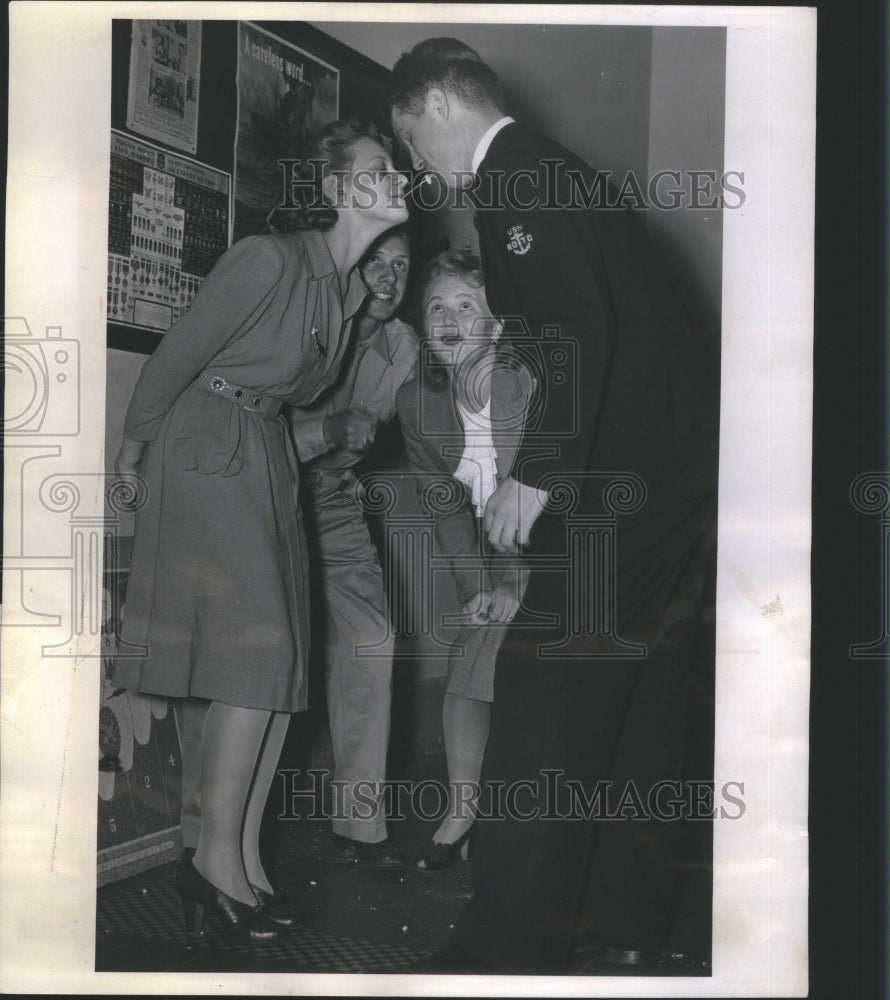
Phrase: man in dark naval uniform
(613, 504)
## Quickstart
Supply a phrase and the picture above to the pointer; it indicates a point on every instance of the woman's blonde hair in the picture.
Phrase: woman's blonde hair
(329, 151)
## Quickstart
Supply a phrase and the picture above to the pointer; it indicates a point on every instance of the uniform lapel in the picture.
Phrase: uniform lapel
(510, 394)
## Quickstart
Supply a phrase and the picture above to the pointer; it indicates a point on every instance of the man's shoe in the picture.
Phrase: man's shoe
(638, 958)
(383, 854)
(638, 961)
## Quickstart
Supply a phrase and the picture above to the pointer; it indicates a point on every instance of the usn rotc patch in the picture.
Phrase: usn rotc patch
(518, 241)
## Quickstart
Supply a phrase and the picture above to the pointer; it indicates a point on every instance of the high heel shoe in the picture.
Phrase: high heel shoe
(275, 906)
(442, 856)
(240, 921)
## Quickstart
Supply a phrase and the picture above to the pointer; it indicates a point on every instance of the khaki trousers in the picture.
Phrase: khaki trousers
(350, 600)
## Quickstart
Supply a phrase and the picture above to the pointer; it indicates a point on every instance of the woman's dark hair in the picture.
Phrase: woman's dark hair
(450, 65)
(329, 151)
(460, 264)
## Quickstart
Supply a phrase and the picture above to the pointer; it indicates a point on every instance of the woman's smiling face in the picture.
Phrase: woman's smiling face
(456, 319)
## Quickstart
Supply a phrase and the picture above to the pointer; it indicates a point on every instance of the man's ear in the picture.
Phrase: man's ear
(437, 103)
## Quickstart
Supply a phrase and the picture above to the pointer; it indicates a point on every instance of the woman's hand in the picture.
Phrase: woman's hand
(505, 600)
(129, 457)
(476, 610)
(353, 428)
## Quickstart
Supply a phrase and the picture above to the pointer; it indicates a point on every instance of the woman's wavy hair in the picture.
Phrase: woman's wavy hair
(329, 151)
(460, 264)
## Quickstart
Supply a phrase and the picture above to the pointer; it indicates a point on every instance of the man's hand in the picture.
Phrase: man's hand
(510, 513)
(353, 429)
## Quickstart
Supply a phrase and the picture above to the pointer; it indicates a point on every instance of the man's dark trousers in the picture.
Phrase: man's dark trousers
(568, 716)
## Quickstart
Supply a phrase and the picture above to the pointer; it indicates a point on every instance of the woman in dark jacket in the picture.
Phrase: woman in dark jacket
(461, 421)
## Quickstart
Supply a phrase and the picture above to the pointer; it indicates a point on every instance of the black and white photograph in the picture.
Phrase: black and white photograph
(409, 562)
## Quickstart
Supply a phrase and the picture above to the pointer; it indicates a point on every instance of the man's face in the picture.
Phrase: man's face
(434, 143)
(385, 271)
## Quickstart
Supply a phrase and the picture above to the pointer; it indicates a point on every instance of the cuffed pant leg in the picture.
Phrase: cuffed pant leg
(359, 645)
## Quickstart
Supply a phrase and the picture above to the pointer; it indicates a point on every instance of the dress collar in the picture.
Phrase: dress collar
(321, 265)
(318, 256)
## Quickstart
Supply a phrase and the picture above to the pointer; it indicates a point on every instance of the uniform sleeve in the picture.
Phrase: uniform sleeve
(543, 272)
(228, 303)
(455, 530)
(405, 359)
(402, 370)
(308, 433)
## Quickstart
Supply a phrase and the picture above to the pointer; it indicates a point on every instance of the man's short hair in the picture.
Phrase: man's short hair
(450, 65)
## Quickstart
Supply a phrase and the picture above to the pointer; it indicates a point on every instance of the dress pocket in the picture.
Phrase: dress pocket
(210, 435)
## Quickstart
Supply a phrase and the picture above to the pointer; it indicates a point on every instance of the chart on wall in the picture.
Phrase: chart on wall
(284, 95)
(165, 73)
(168, 223)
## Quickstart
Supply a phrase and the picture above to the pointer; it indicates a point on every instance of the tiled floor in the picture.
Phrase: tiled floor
(354, 920)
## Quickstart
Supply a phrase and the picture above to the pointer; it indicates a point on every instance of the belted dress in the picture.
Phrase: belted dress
(217, 595)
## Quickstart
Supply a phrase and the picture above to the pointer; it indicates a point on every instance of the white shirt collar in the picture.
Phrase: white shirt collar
(485, 141)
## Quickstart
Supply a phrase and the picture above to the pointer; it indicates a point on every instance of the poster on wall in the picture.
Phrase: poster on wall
(165, 71)
(168, 224)
(284, 95)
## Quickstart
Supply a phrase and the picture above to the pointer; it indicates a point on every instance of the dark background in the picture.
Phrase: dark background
(848, 736)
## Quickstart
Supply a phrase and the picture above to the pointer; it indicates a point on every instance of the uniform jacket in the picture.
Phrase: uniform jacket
(622, 384)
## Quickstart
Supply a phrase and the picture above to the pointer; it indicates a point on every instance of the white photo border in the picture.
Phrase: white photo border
(59, 123)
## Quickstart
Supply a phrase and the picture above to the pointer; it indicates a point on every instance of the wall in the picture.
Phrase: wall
(686, 133)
